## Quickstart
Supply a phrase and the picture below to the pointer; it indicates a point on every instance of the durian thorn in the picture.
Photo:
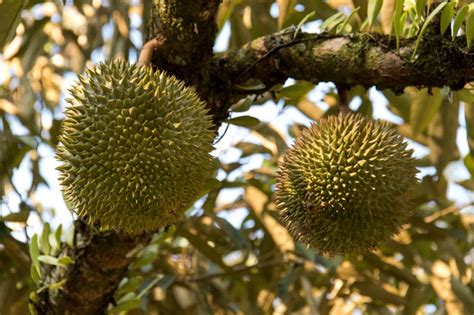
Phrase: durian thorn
(147, 52)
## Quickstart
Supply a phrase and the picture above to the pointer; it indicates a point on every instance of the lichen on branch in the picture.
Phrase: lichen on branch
(346, 60)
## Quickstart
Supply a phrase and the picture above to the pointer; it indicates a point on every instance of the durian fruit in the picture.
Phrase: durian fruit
(346, 185)
(135, 148)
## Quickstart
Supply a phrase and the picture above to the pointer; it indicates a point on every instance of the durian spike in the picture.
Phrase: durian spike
(346, 185)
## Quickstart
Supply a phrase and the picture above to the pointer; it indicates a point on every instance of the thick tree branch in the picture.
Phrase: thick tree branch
(101, 261)
(185, 31)
(358, 59)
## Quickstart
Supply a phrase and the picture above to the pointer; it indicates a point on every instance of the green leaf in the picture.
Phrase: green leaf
(413, 30)
(65, 260)
(459, 19)
(469, 163)
(470, 28)
(446, 17)
(129, 285)
(163, 236)
(342, 26)
(34, 249)
(150, 286)
(210, 184)
(35, 274)
(200, 243)
(234, 233)
(44, 241)
(243, 121)
(425, 25)
(423, 109)
(373, 10)
(54, 244)
(253, 87)
(29, 141)
(398, 21)
(144, 259)
(57, 285)
(57, 236)
(21, 216)
(420, 7)
(50, 260)
(301, 23)
(468, 183)
(10, 15)
(296, 91)
(465, 95)
(333, 21)
(70, 236)
(126, 306)
(243, 105)
(272, 137)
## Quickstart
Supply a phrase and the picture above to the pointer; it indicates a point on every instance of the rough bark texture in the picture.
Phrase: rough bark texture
(101, 261)
(185, 33)
(358, 59)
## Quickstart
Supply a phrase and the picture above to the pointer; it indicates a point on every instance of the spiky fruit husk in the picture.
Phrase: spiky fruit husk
(135, 147)
(346, 185)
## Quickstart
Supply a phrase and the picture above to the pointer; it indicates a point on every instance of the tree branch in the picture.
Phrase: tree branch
(185, 31)
(358, 59)
(100, 262)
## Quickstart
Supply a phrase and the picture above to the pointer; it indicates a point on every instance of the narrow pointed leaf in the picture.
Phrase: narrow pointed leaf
(459, 19)
(10, 15)
(470, 28)
(373, 10)
(446, 17)
(243, 121)
(425, 25)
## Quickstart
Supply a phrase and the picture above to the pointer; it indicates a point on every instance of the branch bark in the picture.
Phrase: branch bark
(357, 59)
(101, 261)
(185, 31)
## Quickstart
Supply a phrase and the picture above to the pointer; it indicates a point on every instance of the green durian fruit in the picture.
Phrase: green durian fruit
(346, 185)
(135, 147)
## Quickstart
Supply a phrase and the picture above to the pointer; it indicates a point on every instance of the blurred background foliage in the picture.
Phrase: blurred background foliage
(232, 255)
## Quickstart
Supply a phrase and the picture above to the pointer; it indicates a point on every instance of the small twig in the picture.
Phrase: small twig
(441, 213)
(146, 54)
(220, 138)
(237, 269)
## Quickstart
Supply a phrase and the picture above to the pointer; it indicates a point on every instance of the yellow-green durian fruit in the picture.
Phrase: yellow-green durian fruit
(135, 147)
(346, 185)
